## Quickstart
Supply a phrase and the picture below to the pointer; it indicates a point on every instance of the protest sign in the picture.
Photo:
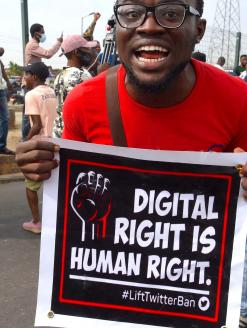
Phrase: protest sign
(131, 240)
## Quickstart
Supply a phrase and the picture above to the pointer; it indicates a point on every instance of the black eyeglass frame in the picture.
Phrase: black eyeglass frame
(189, 10)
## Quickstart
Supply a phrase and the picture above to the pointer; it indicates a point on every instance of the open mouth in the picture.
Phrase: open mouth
(151, 54)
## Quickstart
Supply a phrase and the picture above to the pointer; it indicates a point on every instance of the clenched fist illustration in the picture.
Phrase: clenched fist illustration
(91, 201)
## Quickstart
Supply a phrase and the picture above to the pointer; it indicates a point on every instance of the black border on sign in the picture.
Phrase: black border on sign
(227, 178)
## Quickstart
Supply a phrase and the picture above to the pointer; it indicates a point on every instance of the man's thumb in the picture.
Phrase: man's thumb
(238, 150)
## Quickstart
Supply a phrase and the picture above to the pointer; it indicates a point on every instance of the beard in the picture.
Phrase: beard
(156, 86)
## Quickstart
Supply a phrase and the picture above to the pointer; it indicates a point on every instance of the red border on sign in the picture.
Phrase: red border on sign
(140, 309)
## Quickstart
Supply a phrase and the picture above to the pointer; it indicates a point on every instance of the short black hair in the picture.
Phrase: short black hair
(242, 56)
(200, 6)
(35, 28)
(221, 60)
(199, 56)
(38, 69)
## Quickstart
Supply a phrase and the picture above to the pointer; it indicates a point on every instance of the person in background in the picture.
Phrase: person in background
(95, 51)
(50, 80)
(108, 57)
(4, 114)
(40, 106)
(199, 56)
(220, 63)
(242, 67)
(35, 53)
(76, 49)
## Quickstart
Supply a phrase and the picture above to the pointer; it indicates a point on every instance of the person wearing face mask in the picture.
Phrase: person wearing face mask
(80, 59)
(33, 51)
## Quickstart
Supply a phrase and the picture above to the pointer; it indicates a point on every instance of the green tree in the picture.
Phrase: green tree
(14, 69)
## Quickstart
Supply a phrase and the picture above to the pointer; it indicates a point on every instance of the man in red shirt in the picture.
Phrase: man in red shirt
(167, 101)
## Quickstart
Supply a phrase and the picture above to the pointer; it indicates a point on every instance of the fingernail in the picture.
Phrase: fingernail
(239, 167)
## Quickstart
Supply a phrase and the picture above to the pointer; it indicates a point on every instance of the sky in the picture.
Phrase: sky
(68, 17)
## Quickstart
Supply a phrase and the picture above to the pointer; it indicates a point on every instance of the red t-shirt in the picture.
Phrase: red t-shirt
(213, 117)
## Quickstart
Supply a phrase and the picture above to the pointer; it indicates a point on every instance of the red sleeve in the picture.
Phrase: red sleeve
(241, 138)
(236, 109)
(73, 110)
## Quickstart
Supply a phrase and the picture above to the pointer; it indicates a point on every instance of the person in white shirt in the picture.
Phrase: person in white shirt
(243, 75)
(220, 63)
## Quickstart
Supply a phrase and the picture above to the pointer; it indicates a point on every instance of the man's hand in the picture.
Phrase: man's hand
(35, 158)
(96, 16)
(244, 179)
(243, 172)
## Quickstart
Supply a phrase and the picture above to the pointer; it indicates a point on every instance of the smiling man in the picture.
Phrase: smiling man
(166, 99)
(155, 45)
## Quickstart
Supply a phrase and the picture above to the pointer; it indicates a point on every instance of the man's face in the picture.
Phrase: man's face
(29, 79)
(152, 54)
(243, 61)
(85, 56)
(41, 31)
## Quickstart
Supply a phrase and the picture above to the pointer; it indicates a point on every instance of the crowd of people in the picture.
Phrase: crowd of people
(163, 86)
(239, 71)
(42, 110)
(76, 71)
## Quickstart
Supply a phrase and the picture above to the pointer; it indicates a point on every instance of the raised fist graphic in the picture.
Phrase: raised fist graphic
(91, 201)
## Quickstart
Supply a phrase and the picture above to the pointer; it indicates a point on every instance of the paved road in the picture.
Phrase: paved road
(19, 260)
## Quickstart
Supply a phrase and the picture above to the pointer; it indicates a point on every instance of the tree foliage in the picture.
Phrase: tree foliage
(14, 69)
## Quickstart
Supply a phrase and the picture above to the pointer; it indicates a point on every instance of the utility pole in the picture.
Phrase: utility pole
(238, 48)
(24, 23)
(225, 30)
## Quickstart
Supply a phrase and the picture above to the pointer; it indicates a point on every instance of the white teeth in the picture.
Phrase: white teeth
(150, 60)
(152, 48)
(163, 54)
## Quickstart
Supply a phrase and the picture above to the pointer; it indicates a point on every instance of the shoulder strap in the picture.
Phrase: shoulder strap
(113, 106)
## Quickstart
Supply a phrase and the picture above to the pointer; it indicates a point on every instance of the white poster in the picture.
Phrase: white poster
(136, 237)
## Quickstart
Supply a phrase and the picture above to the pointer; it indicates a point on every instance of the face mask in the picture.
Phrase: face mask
(42, 38)
(85, 58)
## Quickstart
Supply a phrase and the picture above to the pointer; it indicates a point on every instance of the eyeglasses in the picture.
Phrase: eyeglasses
(167, 15)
